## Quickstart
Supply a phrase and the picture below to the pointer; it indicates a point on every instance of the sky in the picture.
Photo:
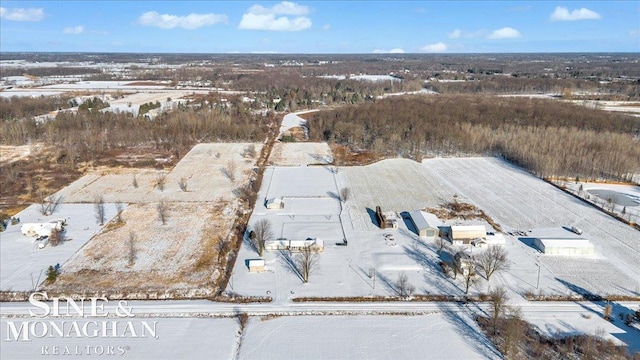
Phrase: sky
(318, 27)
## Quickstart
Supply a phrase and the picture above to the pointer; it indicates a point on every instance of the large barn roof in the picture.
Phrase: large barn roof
(424, 220)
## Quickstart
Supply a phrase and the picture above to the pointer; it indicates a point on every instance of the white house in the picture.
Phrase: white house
(42, 229)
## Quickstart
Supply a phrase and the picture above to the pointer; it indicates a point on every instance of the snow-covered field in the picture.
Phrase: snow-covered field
(300, 154)
(293, 120)
(436, 336)
(372, 262)
(164, 256)
(518, 200)
(23, 265)
(202, 169)
(175, 255)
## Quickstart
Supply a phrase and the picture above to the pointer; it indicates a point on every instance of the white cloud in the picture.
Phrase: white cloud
(20, 14)
(455, 34)
(74, 30)
(261, 18)
(326, 27)
(563, 14)
(505, 33)
(189, 22)
(392, 51)
(434, 48)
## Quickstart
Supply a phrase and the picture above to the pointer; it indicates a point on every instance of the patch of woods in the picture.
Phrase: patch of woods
(517, 339)
(105, 138)
(16, 107)
(547, 137)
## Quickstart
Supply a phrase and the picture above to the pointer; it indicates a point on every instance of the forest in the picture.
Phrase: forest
(548, 137)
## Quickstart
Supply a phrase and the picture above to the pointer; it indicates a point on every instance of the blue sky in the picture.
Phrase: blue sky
(320, 26)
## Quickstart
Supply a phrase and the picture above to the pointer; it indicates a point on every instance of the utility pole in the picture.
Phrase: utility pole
(538, 282)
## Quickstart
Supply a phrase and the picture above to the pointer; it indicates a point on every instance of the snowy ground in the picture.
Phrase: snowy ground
(203, 169)
(164, 255)
(300, 154)
(23, 265)
(372, 262)
(293, 120)
(441, 336)
(517, 200)
(624, 200)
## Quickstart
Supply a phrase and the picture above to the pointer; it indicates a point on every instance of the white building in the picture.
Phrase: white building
(466, 234)
(565, 246)
(427, 225)
(275, 204)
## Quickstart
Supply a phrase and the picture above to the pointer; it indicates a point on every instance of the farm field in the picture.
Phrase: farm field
(519, 201)
(375, 258)
(203, 169)
(300, 154)
(140, 251)
(442, 336)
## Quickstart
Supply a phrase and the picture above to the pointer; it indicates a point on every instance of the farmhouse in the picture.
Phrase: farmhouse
(275, 204)
(42, 229)
(427, 225)
(564, 246)
(465, 234)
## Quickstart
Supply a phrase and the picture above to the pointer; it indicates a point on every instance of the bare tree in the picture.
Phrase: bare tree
(134, 181)
(250, 151)
(262, 233)
(119, 209)
(441, 243)
(98, 205)
(498, 299)
(469, 278)
(163, 211)
(161, 180)
(230, 170)
(403, 286)
(494, 259)
(131, 255)
(306, 261)
(183, 184)
(344, 194)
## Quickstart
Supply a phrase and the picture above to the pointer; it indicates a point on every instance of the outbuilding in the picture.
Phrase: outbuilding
(427, 225)
(465, 234)
(565, 246)
(275, 203)
(256, 265)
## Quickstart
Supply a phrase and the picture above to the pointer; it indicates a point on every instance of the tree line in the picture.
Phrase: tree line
(548, 137)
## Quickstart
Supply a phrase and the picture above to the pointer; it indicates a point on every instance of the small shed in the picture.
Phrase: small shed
(275, 203)
(256, 265)
(427, 225)
(564, 246)
(465, 234)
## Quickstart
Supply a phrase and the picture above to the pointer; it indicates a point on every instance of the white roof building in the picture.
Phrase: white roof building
(565, 246)
(426, 224)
